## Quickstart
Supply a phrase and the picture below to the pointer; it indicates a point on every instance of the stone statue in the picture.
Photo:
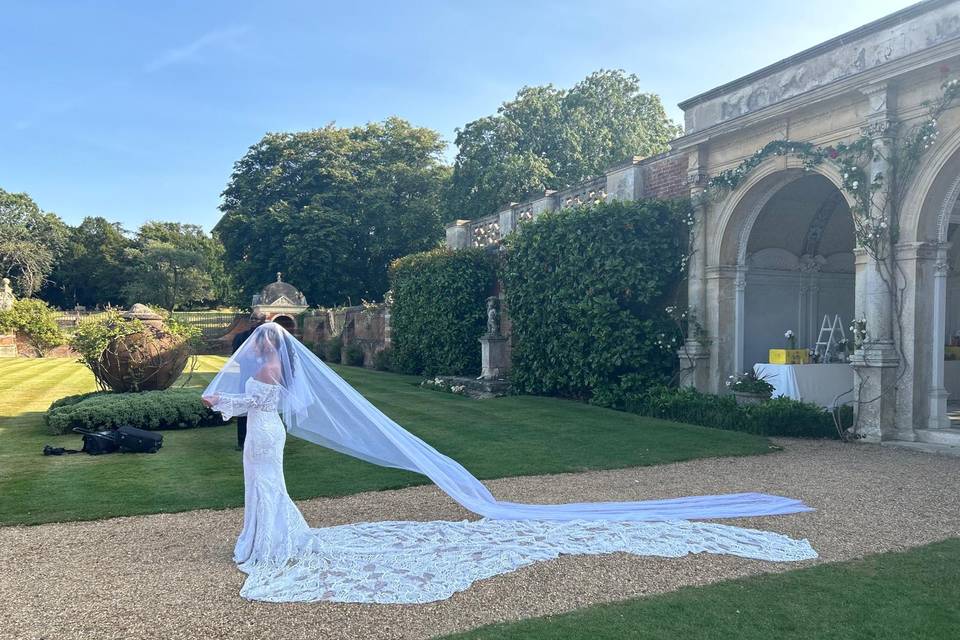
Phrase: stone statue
(6, 295)
(493, 316)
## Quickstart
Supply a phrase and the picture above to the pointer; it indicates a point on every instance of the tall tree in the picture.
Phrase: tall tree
(332, 207)
(91, 270)
(548, 138)
(169, 265)
(30, 242)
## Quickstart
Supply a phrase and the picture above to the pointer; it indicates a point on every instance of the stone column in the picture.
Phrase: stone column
(458, 234)
(694, 355)
(876, 363)
(937, 395)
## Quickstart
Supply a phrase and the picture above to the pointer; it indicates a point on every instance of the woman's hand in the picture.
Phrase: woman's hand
(209, 401)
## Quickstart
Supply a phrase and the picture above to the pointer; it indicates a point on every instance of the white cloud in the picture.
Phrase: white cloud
(218, 38)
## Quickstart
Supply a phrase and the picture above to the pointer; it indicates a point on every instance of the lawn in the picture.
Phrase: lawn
(893, 596)
(199, 468)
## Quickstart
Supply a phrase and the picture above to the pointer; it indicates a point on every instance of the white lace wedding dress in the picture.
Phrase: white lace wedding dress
(415, 562)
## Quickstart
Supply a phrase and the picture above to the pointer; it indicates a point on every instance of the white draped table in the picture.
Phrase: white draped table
(814, 383)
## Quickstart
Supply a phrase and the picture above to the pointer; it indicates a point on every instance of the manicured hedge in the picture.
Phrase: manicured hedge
(439, 310)
(587, 291)
(153, 410)
(776, 417)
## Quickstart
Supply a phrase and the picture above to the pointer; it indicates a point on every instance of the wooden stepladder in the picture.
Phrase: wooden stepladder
(829, 339)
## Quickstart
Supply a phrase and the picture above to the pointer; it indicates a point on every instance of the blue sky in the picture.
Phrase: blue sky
(137, 111)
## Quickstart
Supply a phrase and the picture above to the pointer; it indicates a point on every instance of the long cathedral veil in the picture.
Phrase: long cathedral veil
(319, 406)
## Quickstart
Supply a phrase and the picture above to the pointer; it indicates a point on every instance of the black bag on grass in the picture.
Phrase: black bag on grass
(97, 442)
(138, 440)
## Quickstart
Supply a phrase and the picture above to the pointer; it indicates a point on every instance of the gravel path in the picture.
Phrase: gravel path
(171, 576)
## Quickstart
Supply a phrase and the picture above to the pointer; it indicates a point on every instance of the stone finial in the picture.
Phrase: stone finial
(278, 276)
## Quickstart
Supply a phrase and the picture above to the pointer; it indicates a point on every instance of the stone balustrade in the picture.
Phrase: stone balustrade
(622, 182)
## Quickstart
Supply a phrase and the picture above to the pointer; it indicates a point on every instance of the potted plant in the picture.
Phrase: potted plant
(748, 388)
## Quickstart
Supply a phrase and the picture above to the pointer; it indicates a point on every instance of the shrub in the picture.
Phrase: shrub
(153, 410)
(70, 400)
(777, 417)
(439, 310)
(332, 349)
(36, 321)
(588, 290)
(383, 359)
(353, 355)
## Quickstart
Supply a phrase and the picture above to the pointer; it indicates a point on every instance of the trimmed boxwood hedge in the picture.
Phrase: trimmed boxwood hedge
(152, 410)
(439, 310)
(776, 417)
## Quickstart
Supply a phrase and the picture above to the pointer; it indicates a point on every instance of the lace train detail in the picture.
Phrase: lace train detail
(416, 562)
(419, 562)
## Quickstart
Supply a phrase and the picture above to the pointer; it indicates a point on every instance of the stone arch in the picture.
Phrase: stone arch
(286, 322)
(934, 191)
(737, 218)
(931, 201)
(740, 209)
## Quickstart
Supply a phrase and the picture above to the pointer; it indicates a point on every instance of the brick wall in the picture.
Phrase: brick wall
(665, 176)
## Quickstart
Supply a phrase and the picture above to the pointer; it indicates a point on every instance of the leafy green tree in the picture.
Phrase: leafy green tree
(91, 269)
(169, 265)
(30, 242)
(548, 138)
(332, 207)
(35, 320)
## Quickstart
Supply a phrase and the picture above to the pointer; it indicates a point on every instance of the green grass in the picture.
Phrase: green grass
(198, 468)
(895, 596)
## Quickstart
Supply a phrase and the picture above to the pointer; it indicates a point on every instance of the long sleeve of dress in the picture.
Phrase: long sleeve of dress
(262, 397)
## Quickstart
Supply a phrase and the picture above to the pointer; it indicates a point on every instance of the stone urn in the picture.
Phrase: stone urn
(149, 359)
(745, 397)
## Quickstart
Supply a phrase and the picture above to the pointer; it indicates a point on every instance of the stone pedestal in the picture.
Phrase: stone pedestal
(694, 365)
(875, 377)
(8, 346)
(494, 357)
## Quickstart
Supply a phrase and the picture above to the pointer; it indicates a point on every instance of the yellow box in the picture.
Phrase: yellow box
(789, 356)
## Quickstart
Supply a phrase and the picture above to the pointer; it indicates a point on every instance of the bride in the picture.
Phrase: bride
(282, 387)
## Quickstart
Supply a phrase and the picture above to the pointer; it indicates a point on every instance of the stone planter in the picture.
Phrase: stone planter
(145, 361)
(744, 397)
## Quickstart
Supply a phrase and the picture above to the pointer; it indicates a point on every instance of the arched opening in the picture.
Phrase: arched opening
(932, 222)
(799, 268)
(950, 335)
(286, 322)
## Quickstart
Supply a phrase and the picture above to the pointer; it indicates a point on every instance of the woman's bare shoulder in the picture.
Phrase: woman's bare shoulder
(269, 373)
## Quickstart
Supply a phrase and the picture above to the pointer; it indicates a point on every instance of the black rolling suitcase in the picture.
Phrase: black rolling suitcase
(97, 442)
(138, 440)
